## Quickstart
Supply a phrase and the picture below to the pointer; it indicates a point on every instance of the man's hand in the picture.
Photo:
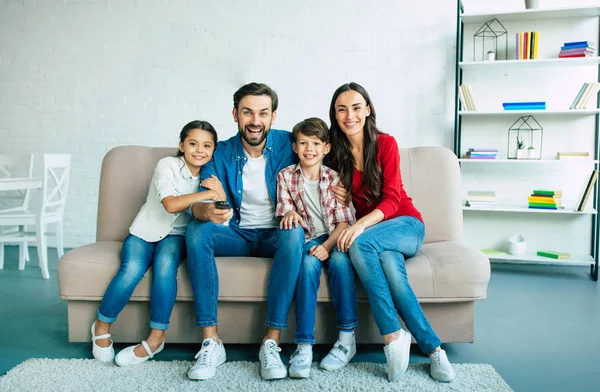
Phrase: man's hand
(348, 236)
(319, 252)
(290, 219)
(340, 194)
(208, 212)
(214, 184)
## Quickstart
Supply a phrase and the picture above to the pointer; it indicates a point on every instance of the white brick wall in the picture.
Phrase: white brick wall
(81, 77)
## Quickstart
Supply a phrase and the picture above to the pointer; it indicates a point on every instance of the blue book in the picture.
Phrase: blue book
(525, 108)
(577, 43)
(522, 103)
(574, 46)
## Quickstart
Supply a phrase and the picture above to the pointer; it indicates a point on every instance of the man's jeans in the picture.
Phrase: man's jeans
(341, 283)
(378, 256)
(205, 240)
(137, 256)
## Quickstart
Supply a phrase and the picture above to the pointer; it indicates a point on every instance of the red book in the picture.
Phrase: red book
(572, 55)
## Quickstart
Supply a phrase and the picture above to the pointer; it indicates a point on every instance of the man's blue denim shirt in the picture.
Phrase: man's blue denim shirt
(229, 159)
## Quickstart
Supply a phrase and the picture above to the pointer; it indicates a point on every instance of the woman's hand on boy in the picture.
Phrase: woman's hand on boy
(340, 194)
(214, 184)
(291, 220)
(319, 252)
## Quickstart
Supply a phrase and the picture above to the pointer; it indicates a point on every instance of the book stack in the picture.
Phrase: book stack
(545, 199)
(465, 94)
(571, 155)
(587, 91)
(482, 199)
(527, 45)
(481, 153)
(577, 49)
(524, 105)
(553, 254)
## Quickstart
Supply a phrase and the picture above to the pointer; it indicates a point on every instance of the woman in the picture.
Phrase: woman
(388, 230)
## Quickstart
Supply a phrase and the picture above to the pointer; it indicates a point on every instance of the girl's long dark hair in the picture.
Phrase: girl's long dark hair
(340, 158)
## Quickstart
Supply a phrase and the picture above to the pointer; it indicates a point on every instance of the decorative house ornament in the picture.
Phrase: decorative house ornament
(489, 39)
(525, 138)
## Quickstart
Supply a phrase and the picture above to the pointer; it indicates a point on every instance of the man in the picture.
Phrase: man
(247, 165)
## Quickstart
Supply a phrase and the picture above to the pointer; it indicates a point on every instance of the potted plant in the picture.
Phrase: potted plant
(521, 153)
(531, 152)
(491, 56)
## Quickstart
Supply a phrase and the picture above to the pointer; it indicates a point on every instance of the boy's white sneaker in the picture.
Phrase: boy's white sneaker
(440, 368)
(397, 354)
(211, 355)
(340, 355)
(271, 366)
(301, 361)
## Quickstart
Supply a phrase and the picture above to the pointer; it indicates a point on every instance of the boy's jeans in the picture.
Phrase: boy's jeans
(341, 283)
(137, 256)
(378, 256)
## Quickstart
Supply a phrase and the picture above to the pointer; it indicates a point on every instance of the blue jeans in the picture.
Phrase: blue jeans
(205, 240)
(378, 255)
(343, 291)
(137, 256)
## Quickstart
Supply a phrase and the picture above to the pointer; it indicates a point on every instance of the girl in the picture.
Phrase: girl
(157, 239)
(388, 230)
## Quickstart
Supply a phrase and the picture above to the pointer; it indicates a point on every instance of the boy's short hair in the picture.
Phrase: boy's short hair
(312, 126)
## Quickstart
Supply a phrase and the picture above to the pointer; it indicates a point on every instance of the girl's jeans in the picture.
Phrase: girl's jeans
(378, 256)
(137, 256)
(341, 283)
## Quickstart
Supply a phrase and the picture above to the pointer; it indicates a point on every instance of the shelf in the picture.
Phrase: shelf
(575, 260)
(529, 161)
(520, 209)
(536, 63)
(533, 14)
(569, 112)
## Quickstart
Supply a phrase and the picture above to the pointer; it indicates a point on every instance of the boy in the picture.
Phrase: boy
(305, 197)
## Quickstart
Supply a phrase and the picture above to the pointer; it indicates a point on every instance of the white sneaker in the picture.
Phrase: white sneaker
(301, 361)
(211, 355)
(397, 354)
(339, 356)
(440, 368)
(127, 357)
(271, 367)
(102, 354)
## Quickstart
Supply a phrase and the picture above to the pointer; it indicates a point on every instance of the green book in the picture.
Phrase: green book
(544, 192)
(554, 255)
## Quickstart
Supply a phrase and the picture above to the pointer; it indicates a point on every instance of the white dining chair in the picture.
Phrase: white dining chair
(54, 192)
(15, 166)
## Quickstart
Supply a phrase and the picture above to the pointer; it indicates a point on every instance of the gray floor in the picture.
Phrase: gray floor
(539, 327)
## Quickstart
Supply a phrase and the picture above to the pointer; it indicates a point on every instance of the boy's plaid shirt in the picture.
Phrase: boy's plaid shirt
(290, 196)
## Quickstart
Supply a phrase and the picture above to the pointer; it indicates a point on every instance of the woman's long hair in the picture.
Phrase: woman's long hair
(340, 158)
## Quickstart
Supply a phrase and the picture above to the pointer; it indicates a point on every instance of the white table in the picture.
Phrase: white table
(19, 183)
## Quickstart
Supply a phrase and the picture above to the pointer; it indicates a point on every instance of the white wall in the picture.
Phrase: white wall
(81, 77)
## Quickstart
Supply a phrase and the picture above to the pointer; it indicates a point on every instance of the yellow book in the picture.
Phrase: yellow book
(544, 200)
(535, 44)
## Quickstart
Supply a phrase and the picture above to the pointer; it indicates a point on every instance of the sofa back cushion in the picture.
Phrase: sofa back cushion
(431, 177)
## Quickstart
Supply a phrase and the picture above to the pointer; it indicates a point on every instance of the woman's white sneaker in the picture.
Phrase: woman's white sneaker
(211, 355)
(102, 354)
(271, 366)
(301, 361)
(440, 368)
(127, 357)
(397, 354)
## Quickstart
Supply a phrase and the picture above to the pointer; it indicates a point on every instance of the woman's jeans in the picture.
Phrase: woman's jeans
(341, 283)
(378, 256)
(205, 240)
(137, 256)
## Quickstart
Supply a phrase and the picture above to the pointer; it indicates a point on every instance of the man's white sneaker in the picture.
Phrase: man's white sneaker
(339, 356)
(271, 367)
(440, 368)
(211, 355)
(397, 354)
(301, 361)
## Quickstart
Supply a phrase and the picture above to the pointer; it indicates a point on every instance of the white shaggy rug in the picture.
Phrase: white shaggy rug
(164, 376)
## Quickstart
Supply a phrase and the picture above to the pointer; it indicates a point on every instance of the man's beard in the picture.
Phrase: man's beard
(251, 141)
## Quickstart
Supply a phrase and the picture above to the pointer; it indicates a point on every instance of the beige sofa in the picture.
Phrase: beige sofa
(447, 275)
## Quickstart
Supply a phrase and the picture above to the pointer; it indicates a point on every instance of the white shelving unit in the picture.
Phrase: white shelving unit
(529, 20)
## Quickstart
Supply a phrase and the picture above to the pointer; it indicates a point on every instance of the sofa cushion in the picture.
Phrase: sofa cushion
(442, 272)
